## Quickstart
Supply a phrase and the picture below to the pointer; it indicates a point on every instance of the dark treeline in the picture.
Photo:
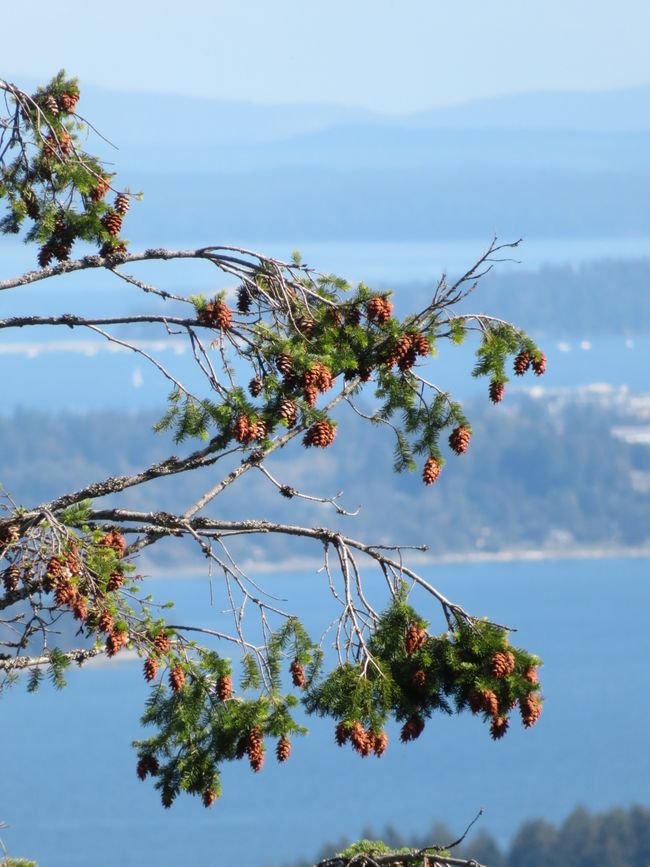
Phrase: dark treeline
(539, 473)
(617, 838)
(598, 298)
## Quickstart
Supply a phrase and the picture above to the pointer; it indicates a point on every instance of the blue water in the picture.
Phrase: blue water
(70, 795)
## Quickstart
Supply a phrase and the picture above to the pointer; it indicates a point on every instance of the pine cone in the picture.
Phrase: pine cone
(209, 797)
(431, 471)
(224, 687)
(490, 702)
(531, 709)
(112, 222)
(341, 733)
(9, 534)
(105, 622)
(255, 386)
(283, 749)
(255, 749)
(46, 254)
(162, 643)
(320, 434)
(421, 345)
(352, 315)
(115, 581)
(498, 727)
(116, 641)
(305, 326)
(177, 678)
(497, 390)
(531, 674)
(50, 104)
(380, 742)
(102, 186)
(310, 394)
(318, 375)
(80, 609)
(415, 638)
(62, 247)
(284, 363)
(244, 300)
(459, 439)
(242, 429)
(476, 701)
(10, 578)
(68, 100)
(360, 740)
(539, 364)
(379, 310)
(122, 204)
(289, 412)
(502, 663)
(259, 429)
(112, 248)
(150, 668)
(297, 674)
(216, 315)
(521, 363)
(115, 540)
(65, 594)
(412, 728)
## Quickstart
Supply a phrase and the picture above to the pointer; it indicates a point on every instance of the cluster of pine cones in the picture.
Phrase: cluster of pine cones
(363, 741)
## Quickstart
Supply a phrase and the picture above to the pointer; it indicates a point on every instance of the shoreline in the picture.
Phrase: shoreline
(419, 558)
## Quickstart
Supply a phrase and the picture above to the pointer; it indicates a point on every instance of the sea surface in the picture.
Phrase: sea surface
(70, 796)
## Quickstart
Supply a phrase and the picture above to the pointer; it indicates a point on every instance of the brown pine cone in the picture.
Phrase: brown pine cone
(289, 412)
(255, 749)
(284, 363)
(255, 386)
(320, 434)
(62, 248)
(475, 701)
(222, 316)
(502, 663)
(415, 638)
(208, 797)
(45, 255)
(115, 581)
(531, 709)
(318, 375)
(102, 186)
(224, 687)
(162, 643)
(341, 733)
(498, 727)
(352, 315)
(122, 204)
(113, 247)
(310, 394)
(242, 429)
(150, 668)
(521, 363)
(380, 742)
(531, 674)
(105, 622)
(379, 310)
(283, 749)
(297, 674)
(360, 741)
(50, 104)
(421, 345)
(65, 594)
(459, 439)
(116, 641)
(305, 326)
(68, 100)
(412, 728)
(112, 222)
(497, 390)
(260, 429)
(115, 540)
(539, 364)
(80, 608)
(431, 471)
(490, 702)
(244, 300)
(11, 577)
(176, 678)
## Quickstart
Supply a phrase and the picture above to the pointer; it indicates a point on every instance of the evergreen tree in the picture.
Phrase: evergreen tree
(281, 352)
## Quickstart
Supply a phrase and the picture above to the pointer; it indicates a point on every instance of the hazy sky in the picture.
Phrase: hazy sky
(375, 53)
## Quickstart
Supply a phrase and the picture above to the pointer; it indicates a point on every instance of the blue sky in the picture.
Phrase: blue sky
(373, 53)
